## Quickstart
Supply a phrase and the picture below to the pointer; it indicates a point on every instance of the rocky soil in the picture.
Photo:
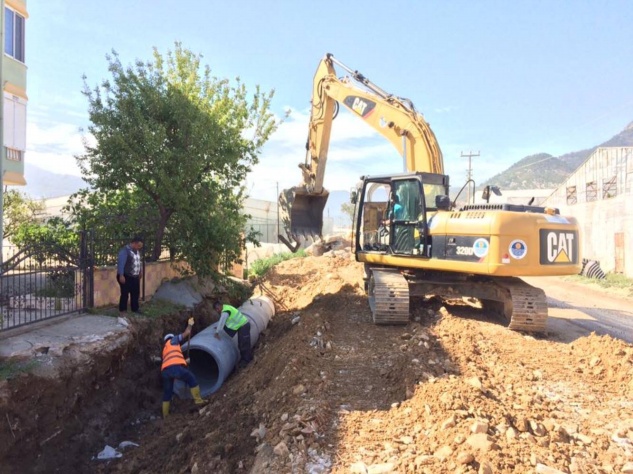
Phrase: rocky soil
(330, 392)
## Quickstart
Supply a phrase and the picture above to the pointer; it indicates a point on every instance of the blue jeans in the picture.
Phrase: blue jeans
(243, 341)
(180, 372)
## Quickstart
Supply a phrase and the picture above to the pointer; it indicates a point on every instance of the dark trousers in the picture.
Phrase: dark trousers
(132, 289)
(243, 341)
(176, 372)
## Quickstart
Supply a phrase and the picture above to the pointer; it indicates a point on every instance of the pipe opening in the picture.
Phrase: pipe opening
(206, 369)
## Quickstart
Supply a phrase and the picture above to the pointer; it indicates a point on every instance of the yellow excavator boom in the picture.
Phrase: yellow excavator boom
(393, 117)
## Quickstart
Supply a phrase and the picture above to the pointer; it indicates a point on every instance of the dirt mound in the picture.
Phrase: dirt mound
(452, 391)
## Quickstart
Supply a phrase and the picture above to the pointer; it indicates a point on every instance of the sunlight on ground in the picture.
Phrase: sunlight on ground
(568, 313)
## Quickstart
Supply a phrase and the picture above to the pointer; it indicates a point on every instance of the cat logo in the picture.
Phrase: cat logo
(362, 107)
(558, 247)
(359, 106)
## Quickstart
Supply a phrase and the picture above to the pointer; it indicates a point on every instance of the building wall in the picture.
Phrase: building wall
(14, 73)
(599, 196)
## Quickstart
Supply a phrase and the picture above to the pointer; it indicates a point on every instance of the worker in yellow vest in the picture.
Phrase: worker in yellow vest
(232, 321)
(175, 367)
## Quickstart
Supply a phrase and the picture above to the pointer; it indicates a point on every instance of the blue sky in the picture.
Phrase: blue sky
(505, 79)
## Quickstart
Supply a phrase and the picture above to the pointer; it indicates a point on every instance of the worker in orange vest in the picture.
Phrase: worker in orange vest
(175, 367)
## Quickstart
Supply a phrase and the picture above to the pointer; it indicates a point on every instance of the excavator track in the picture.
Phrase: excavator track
(389, 297)
(526, 306)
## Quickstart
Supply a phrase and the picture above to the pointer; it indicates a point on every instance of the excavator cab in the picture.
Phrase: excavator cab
(393, 213)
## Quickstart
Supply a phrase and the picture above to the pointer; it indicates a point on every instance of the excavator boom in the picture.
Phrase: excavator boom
(393, 117)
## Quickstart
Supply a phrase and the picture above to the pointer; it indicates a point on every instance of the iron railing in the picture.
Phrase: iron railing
(43, 281)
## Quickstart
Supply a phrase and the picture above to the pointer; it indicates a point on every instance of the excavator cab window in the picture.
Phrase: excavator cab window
(431, 191)
(373, 233)
(393, 216)
(404, 228)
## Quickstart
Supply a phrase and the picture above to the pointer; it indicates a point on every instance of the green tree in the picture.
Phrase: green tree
(18, 209)
(348, 209)
(54, 240)
(172, 148)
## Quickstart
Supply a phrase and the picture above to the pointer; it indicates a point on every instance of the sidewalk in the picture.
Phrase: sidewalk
(53, 337)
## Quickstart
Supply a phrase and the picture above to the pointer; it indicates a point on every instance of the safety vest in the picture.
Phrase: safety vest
(172, 355)
(236, 319)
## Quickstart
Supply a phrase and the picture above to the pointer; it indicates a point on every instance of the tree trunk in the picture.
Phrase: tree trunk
(160, 233)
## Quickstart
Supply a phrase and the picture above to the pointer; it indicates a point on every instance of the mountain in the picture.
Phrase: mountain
(544, 171)
(539, 171)
(43, 184)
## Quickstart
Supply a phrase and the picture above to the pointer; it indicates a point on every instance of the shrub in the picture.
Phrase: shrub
(260, 267)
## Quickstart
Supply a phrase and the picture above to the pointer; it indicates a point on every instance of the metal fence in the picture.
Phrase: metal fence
(45, 280)
(266, 231)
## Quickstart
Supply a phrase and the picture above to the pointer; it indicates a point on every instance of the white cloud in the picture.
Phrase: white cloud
(53, 147)
(445, 110)
(355, 149)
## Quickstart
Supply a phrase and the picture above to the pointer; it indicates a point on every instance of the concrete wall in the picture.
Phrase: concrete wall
(106, 288)
(599, 194)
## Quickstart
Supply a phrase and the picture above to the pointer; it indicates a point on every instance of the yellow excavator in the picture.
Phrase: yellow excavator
(412, 239)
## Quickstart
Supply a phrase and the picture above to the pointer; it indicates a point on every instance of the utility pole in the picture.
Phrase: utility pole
(470, 155)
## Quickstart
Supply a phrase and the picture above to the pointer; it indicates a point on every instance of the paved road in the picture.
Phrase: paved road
(576, 310)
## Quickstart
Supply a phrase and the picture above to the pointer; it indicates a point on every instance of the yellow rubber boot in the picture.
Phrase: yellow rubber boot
(165, 409)
(195, 392)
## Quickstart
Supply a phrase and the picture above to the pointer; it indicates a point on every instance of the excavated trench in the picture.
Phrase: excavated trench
(60, 422)
(328, 388)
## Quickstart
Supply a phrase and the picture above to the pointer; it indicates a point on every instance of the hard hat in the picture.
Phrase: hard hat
(168, 337)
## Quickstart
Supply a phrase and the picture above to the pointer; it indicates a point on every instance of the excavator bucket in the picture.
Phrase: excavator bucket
(302, 212)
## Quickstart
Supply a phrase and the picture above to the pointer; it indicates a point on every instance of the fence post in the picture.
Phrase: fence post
(85, 264)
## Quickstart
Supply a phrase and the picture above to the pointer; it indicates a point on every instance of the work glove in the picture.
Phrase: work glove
(190, 322)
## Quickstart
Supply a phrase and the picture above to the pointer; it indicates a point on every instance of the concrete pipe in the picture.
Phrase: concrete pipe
(212, 360)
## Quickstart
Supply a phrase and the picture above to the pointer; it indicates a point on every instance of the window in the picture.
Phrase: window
(14, 125)
(14, 34)
(609, 188)
(571, 195)
(592, 191)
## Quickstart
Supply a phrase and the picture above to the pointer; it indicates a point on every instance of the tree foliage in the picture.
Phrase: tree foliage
(172, 148)
(18, 209)
(51, 240)
(348, 209)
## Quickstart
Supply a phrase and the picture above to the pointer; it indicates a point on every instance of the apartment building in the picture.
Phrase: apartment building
(13, 76)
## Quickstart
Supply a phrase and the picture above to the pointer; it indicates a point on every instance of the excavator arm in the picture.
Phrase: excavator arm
(393, 117)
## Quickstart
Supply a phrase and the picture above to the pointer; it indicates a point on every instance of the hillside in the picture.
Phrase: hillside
(543, 170)
(42, 184)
